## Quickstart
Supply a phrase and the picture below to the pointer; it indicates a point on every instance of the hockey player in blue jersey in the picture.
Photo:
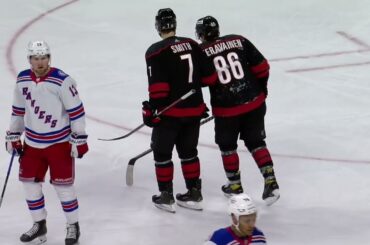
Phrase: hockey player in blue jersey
(242, 230)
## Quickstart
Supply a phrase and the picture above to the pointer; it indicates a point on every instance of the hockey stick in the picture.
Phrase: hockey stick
(185, 96)
(7, 177)
(130, 167)
(131, 163)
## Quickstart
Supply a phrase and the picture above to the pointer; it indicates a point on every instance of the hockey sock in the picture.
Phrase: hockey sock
(68, 198)
(35, 200)
(230, 161)
(262, 156)
(164, 173)
(263, 159)
(191, 171)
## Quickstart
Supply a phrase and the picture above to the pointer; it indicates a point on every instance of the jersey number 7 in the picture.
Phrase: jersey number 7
(188, 57)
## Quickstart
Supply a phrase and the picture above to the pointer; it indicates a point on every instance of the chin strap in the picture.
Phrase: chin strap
(236, 226)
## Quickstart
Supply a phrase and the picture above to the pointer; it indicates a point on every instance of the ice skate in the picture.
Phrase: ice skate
(164, 201)
(271, 192)
(230, 189)
(37, 233)
(191, 199)
(73, 234)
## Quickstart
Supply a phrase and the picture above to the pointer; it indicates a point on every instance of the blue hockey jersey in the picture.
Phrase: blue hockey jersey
(226, 236)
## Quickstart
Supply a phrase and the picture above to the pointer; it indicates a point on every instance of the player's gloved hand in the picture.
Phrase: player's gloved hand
(149, 117)
(13, 143)
(79, 145)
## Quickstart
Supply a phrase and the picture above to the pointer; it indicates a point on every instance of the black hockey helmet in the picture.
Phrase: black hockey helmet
(165, 20)
(207, 28)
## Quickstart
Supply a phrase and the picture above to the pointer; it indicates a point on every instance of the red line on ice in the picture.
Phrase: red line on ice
(353, 39)
(13, 40)
(327, 67)
(319, 55)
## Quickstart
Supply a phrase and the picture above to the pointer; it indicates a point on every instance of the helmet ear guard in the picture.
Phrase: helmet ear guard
(207, 28)
(165, 20)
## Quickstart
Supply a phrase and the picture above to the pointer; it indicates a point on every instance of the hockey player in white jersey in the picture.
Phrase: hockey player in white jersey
(243, 214)
(48, 110)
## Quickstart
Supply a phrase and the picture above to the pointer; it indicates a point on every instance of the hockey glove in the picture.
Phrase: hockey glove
(13, 143)
(149, 117)
(79, 145)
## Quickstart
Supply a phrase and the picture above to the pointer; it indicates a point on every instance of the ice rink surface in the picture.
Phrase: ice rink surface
(318, 120)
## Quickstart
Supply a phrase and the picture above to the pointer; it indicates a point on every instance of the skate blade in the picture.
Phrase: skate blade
(228, 195)
(191, 205)
(37, 241)
(166, 207)
(271, 200)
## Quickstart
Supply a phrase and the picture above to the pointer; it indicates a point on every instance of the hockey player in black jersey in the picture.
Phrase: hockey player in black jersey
(238, 103)
(175, 65)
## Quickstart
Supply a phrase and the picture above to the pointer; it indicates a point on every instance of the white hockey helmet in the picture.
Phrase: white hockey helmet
(241, 204)
(37, 48)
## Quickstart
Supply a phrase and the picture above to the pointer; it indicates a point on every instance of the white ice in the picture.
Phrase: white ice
(318, 121)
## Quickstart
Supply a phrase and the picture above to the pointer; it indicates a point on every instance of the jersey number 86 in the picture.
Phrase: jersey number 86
(225, 71)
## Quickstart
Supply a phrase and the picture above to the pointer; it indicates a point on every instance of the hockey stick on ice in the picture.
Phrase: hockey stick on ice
(185, 96)
(130, 167)
(7, 177)
(131, 163)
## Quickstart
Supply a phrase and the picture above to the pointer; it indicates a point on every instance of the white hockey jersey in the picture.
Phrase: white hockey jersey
(48, 109)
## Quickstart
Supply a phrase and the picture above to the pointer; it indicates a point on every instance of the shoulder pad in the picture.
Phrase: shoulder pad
(257, 231)
(156, 48)
(58, 74)
(24, 73)
(24, 76)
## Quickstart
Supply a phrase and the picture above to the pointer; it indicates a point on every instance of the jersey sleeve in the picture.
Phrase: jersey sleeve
(209, 74)
(73, 105)
(18, 110)
(158, 84)
(257, 62)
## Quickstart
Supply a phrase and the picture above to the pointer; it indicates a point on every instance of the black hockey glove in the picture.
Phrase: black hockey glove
(149, 117)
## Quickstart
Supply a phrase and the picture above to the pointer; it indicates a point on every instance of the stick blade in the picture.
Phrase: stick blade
(130, 175)
(130, 167)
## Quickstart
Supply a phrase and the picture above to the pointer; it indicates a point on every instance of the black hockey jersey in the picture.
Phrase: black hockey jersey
(176, 65)
(242, 72)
